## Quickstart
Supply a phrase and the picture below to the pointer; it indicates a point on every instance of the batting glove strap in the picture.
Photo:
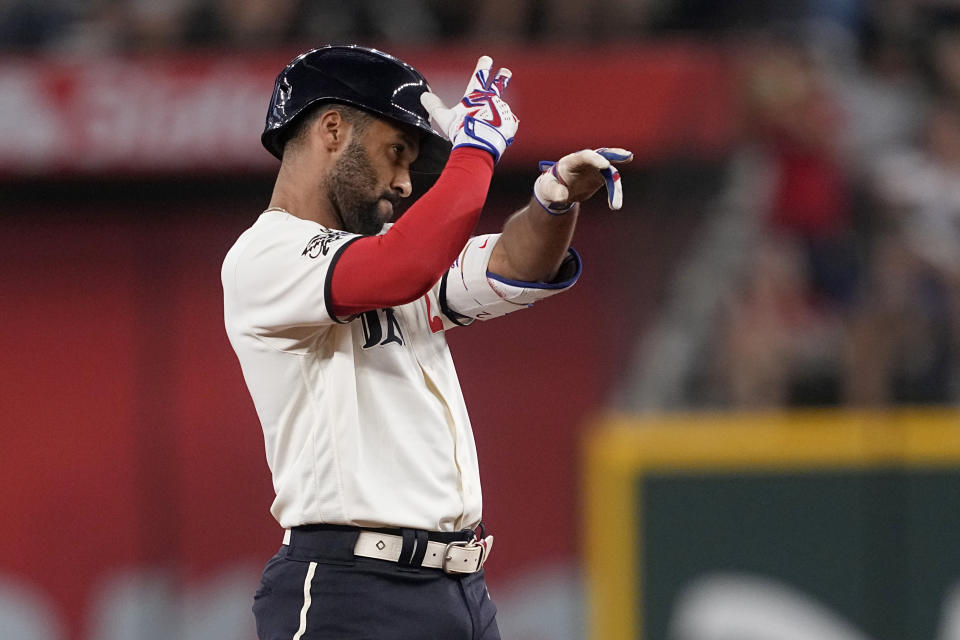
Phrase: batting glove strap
(479, 134)
(545, 190)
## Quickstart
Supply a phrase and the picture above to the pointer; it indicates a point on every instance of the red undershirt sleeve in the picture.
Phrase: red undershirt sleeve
(376, 272)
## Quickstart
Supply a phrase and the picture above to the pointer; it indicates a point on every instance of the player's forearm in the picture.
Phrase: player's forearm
(533, 244)
(403, 264)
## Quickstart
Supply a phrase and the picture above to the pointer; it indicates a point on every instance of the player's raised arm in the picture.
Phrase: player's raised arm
(535, 239)
(532, 259)
(403, 264)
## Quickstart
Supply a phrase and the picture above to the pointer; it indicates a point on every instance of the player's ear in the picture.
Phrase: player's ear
(331, 129)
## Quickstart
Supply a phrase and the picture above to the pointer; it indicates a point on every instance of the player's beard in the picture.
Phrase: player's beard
(351, 187)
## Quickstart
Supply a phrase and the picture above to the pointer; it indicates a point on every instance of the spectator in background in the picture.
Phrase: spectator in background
(881, 94)
(797, 288)
(394, 21)
(903, 341)
(121, 26)
(799, 125)
(32, 25)
(722, 17)
(154, 25)
(565, 19)
(264, 24)
(759, 335)
(944, 61)
(244, 24)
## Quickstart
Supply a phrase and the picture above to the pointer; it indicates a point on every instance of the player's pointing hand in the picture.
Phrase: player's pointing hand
(577, 176)
(481, 118)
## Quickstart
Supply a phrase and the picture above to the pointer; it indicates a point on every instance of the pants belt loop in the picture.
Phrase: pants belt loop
(414, 548)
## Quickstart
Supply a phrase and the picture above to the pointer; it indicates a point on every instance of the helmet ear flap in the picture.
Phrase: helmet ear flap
(367, 79)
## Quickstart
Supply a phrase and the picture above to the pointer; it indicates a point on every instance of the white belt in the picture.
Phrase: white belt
(460, 556)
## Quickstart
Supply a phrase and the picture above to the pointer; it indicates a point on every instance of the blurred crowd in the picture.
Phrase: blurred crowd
(139, 25)
(147, 25)
(852, 291)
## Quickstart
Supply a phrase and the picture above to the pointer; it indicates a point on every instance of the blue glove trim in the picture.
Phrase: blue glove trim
(559, 209)
(563, 284)
(556, 208)
(610, 177)
(478, 145)
(613, 156)
(478, 141)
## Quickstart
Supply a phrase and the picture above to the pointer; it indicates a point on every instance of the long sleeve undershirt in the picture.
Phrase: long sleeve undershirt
(377, 272)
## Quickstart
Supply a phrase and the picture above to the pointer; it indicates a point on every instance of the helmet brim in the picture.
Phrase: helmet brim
(433, 156)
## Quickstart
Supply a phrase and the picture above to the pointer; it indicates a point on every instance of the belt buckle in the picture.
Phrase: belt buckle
(447, 557)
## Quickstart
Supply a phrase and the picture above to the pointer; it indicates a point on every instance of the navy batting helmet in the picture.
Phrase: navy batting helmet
(365, 78)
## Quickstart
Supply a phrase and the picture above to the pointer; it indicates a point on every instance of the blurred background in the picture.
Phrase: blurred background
(788, 258)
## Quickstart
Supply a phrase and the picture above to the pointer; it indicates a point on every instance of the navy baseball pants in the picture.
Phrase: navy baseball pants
(315, 589)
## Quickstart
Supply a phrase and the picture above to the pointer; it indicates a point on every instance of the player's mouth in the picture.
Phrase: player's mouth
(391, 201)
(386, 208)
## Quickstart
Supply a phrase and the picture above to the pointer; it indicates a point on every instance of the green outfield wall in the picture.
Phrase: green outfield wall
(821, 520)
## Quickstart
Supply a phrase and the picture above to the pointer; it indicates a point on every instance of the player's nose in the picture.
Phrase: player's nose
(402, 183)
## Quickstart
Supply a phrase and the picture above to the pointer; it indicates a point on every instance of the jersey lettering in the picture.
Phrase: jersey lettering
(393, 329)
(372, 332)
(373, 328)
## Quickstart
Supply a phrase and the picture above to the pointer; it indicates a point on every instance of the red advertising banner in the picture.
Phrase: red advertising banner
(178, 113)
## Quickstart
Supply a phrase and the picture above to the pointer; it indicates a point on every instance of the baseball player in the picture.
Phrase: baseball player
(338, 321)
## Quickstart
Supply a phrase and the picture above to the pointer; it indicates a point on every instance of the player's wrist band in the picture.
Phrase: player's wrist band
(554, 208)
(479, 134)
(549, 172)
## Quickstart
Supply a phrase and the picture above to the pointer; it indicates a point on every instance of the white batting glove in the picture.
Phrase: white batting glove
(481, 119)
(578, 176)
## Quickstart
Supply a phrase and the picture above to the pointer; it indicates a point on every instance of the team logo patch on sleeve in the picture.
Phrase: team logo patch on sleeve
(320, 243)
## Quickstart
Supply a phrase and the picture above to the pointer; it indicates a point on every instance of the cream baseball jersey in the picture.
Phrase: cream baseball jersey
(363, 418)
